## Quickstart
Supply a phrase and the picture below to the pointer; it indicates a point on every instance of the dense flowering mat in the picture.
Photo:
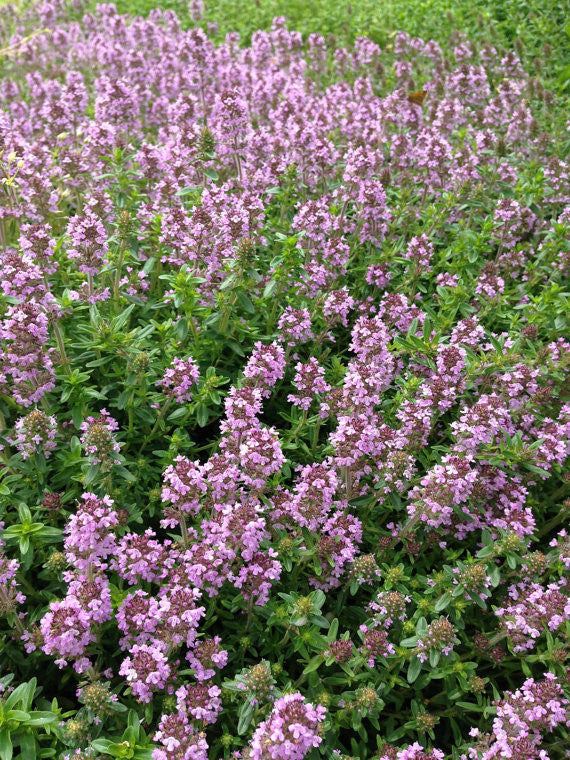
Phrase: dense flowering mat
(281, 389)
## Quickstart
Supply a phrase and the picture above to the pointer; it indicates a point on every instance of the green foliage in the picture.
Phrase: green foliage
(27, 733)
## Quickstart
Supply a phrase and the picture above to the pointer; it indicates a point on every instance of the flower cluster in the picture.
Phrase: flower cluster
(440, 637)
(290, 732)
(36, 432)
(98, 439)
(523, 717)
(10, 594)
(180, 378)
(88, 242)
(323, 311)
(535, 609)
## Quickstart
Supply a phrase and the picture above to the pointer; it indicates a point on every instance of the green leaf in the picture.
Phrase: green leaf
(319, 620)
(421, 626)
(314, 664)
(48, 534)
(102, 745)
(486, 551)
(478, 599)
(245, 302)
(245, 716)
(333, 630)
(12, 531)
(117, 707)
(494, 576)
(177, 414)
(24, 513)
(130, 736)
(121, 320)
(188, 190)
(41, 718)
(228, 282)
(143, 753)
(22, 693)
(5, 745)
(100, 362)
(134, 723)
(414, 669)
(434, 657)
(269, 289)
(470, 706)
(235, 347)
(318, 598)
(442, 602)
(538, 470)
(124, 473)
(19, 715)
(92, 474)
(202, 415)
(27, 742)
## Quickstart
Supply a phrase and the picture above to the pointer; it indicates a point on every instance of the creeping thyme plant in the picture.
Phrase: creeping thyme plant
(283, 421)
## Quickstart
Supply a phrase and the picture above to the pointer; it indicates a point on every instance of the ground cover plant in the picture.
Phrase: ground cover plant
(283, 421)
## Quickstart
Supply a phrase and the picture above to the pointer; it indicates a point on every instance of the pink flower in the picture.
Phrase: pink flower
(88, 242)
(291, 730)
(146, 671)
(295, 326)
(89, 533)
(180, 378)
